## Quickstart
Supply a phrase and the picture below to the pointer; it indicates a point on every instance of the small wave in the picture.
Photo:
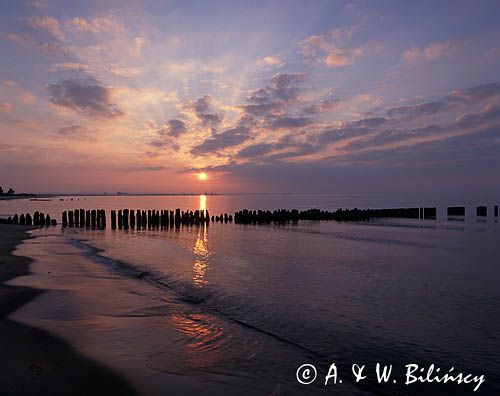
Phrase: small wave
(210, 298)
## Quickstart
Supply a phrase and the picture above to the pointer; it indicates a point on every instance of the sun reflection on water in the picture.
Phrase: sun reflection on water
(203, 202)
(200, 265)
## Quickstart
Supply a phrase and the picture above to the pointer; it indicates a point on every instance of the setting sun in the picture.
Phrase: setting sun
(202, 176)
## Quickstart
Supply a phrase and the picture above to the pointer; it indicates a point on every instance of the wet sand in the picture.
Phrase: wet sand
(34, 362)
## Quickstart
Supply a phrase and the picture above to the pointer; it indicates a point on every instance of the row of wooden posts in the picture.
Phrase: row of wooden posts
(95, 218)
(284, 215)
(38, 219)
(130, 218)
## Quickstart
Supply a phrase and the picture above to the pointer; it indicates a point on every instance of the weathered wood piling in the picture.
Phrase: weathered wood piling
(456, 211)
(113, 219)
(481, 211)
(38, 219)
(164, 218)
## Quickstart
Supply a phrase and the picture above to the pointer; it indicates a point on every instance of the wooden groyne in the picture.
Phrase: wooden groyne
(95, 218)
(164, 218)
(38, 219)
(152, 219)
(294, 215)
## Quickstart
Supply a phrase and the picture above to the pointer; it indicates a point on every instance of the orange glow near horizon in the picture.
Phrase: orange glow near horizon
(202, 176)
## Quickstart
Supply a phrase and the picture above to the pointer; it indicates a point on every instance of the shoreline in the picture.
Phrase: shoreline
(34, 362)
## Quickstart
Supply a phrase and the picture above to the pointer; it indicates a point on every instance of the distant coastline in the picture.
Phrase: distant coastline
(5, 197)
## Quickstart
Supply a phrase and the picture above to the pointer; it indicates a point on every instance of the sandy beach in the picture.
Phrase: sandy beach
(33, 361)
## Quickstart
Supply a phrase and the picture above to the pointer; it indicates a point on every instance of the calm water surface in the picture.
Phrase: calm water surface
(234, 309)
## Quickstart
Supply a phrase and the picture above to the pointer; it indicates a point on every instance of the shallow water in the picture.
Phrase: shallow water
(234, 309)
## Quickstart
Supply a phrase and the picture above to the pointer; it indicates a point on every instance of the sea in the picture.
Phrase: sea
(231, 309)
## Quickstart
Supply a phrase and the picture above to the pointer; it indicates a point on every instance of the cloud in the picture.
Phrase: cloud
(333, 135)
(204, 111)
(349, 130)
(332, 48)
(339, 57)
(218, 142)
(46, 24)
(167, 135)
(5, 106)
(28, 41)
(474, 94)
(262, 109)
(491, 113)
(84, 96)
(26, 98)
(22, 39)
(284, 86)
(174, 128)
(70, 66)
(76, 132)
(125, 72)
(323, 106)
(469, 96)
(286, 147)
(272, 100)
(269, 61)
(96, 25)
(151, 168)
(290, 122)
(257, 150)
(432, 52)
(411, 111)
(372, 122)
(165, 142)
(54, 49)
(392, 136)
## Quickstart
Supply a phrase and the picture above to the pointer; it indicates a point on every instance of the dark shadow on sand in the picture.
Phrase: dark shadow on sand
(33, 362)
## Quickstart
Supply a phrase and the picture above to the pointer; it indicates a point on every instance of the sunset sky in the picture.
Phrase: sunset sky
(278, 96)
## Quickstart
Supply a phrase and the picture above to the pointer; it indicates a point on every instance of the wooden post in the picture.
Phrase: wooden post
(65, 219)
(29, 220)
(93, 219)
(481, 211)
(132, 218)
(70, 218)
(113, 219)
(103, 219)
(77, 217)
(171, 220)
(125, 218)
(177, 217)
(87, 218)
(47, 220)
(53, 222)
(120, 219)
(144, 219)
(82, 218)
(139, 219)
